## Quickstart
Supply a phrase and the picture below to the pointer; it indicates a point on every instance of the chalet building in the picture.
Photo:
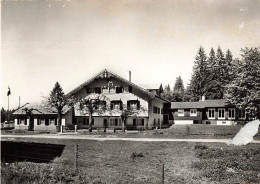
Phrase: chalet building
(214, 112)
(119, 92)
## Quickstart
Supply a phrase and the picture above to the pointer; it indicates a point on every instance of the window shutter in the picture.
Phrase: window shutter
(130, 89)
(128, 104)
(121, 105)
(138, 105)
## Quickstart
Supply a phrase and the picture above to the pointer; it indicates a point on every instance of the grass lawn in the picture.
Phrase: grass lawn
(140, 162)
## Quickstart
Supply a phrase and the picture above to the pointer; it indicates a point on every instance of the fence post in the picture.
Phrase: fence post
(162, 173)
(76, 157)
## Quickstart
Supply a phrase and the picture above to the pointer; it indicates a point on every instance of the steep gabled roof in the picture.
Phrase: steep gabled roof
(114, 75)
(200, 104)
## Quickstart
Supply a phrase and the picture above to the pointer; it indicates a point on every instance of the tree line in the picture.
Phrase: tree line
(220, 76)
(7, 115)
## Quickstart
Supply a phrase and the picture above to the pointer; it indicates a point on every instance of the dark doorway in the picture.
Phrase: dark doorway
(105, 123)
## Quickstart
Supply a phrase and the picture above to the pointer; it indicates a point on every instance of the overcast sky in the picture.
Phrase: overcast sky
(70, 41)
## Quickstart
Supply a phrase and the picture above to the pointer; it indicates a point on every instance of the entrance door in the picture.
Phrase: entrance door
(105, 123)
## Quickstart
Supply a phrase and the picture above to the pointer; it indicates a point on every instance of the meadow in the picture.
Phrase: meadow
(139, 162)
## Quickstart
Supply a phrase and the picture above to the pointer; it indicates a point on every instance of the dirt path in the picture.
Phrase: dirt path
(114, 138)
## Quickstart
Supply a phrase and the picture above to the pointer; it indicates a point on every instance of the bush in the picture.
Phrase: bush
(134, 155)
(201, 147)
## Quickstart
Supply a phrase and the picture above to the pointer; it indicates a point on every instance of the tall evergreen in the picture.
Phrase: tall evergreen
(219, 74)
(213, 78)
(178, 86)
(228, 67)
(200, 80)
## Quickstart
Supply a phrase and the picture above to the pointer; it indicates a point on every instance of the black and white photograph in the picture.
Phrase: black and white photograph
(130, 91)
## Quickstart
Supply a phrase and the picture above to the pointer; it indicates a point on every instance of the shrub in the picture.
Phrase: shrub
(201, 147)
(134, 155)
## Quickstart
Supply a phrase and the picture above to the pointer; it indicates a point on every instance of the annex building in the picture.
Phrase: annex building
(152, 110)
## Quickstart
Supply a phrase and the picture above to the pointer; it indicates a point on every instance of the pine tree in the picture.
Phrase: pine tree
(179, 87)
(219, 74)
(212, 67)
(244, 89)
(228, 67)
(200, 80)
(57, 100)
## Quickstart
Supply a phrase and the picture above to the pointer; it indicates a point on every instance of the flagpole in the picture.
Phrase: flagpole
(8, 110)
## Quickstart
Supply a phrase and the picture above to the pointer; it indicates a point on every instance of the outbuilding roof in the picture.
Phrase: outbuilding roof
(38, 109)
(199, 105)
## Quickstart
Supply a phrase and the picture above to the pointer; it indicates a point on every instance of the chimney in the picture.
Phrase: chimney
(203, 98)
(129, 76)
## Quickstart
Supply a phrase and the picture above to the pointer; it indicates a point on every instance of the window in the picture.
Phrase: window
(25, 122)
(112, 122)
(47, 123)
(116, 105)
(41, 121)
(98, 90)
(241, 113)
(154, 109)
(211, 113)
(22, 121)
(138, 122)
(193, 112)
(221, 113)
(133, 104)
(180, 112)
(130, 89)
(53, 121)
(89, 90)
(115, 122)
(231, 113)
(105, 89)
(119, 89)
(158, 110)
